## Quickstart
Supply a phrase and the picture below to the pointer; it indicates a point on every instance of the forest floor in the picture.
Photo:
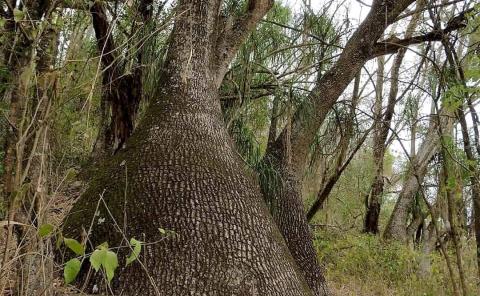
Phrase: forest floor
(356, 264)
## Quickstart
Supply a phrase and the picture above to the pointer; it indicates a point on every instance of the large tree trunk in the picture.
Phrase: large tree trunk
(286, 206)
(179, 172)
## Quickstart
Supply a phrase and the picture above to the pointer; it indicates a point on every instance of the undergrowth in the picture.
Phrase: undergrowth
(361, 264)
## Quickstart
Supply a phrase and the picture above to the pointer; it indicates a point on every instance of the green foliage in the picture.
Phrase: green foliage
(103, 257)
(366, 252)
(5, 78)
(71, 270)
(472, 70)
(18, 15)
(453, 97)
(252, 152)
(367, 265)
(345, 204)
(74, 245)
(136, 249)
(246, 142)
(45, 229)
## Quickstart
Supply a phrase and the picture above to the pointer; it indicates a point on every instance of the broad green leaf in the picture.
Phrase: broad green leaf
(2, 23)
(103, 257)
(18, 14)
(75, 246)
(97, 258)
(45, 229)
(137, 248)
(72, 268)
(110, 264)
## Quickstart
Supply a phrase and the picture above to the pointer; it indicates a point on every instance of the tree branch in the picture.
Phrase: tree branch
(392, 45)
(234, 32)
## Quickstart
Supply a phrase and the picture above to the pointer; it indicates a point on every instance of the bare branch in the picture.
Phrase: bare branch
(392, 45)
(234, 32)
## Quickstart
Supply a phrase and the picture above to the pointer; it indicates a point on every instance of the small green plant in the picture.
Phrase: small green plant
(102, 258)
(106, 259)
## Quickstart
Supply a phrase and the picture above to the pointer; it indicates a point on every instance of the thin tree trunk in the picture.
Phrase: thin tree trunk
(29, 57)
(382, 128)
(328, 185)
(437, 232)
(397, 225)
(451, 193)
(459, 78)
(340, 162)
(121, 92)
(376, 192)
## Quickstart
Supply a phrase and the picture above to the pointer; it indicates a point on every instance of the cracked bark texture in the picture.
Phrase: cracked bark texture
(287, 208)
(179, 172)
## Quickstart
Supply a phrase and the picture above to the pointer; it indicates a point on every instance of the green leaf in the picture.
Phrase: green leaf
(110, 264)
(137, 248)
(97, 258)
(18, 14)
(2, 23)
(75, 246)
(103, 257)
(45, 229)
(72, 268)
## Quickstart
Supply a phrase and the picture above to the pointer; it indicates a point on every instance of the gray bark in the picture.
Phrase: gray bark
(382, 128)
(397, 224)
(290, 160)
(183, 175)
